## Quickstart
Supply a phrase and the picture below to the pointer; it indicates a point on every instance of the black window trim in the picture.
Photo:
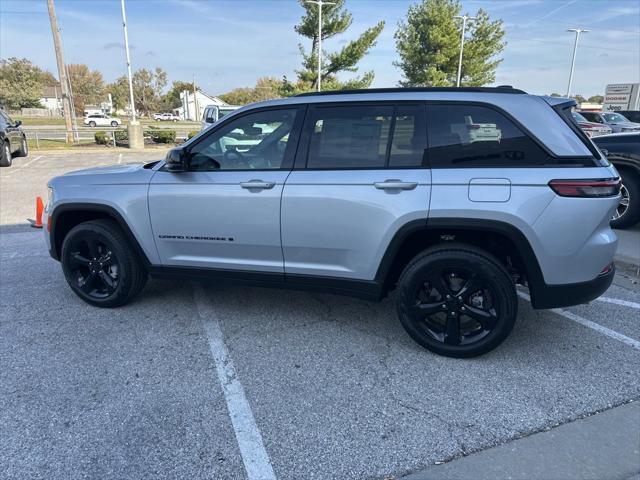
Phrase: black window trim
(302, 153)
(290, 152)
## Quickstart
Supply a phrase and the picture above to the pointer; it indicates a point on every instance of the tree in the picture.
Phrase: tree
(335, 20)
(596, 99)
(554, 94)
(579, 98)
(87, 87)
(173, 98)
(266, 88)
(147, 89)
(119, 91)
(428, 43)
(21, 83)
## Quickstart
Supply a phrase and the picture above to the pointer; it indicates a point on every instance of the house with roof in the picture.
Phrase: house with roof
(193, 106)
(51, 98)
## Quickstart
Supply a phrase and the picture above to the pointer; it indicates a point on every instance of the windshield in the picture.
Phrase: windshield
(614, 117)
(578, 118)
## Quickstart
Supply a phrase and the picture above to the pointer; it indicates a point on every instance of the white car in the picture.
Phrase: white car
(165, 117)
(101, 120)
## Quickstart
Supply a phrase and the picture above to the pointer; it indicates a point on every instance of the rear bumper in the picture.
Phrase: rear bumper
(554, 296)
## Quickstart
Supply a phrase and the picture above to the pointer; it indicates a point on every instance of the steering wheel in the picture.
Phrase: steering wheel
(242, 161)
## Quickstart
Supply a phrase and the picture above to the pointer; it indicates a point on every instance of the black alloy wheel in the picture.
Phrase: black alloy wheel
(100, 265)
(456, 300)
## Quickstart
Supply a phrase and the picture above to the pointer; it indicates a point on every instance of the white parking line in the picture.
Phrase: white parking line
(617, 301)
(254, 456)
(592, 325)
(119, 158)
(17, 168)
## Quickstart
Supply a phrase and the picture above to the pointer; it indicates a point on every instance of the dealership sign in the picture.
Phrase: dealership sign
(621, 96)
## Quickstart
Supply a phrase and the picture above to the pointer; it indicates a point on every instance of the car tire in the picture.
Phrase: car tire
(456, 300)
(92, 124)
(628, 211)
(23, 151)
(100, 265)
(175, 120)
(5, 154)
(114, 124)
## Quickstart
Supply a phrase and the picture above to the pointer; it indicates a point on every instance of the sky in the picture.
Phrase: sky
(231, 43)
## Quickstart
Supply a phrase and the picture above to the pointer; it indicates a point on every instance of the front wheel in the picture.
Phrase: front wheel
(114, 124)
(24, 148)
(99, 264)
(457, 300)
(92, 124)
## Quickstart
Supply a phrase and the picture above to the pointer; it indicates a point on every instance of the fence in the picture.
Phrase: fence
(87, 134)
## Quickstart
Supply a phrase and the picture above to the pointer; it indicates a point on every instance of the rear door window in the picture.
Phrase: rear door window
(366, 136)
(469, 135)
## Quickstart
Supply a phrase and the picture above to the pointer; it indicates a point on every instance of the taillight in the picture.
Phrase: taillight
(605, 187)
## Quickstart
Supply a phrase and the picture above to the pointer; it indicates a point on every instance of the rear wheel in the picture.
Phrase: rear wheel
(92, 123)
(99, 264)
(457, 300)
(114, 124)
(627, 212)
(5, 154)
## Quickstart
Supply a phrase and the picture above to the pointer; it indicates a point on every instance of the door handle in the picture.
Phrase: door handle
(395, 185)
(257, 184)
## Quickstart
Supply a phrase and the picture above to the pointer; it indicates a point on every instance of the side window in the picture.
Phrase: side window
(254, 141)
(349, 137)
(469, 135)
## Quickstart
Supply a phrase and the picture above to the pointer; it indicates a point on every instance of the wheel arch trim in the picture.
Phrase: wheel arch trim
(109, 211)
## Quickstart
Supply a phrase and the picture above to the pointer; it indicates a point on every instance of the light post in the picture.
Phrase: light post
(319, 3)
(578, 31)
(465, 18)
(136, 138)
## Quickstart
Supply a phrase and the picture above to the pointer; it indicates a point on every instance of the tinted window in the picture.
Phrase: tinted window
(592, 117)
(614, 117)
(468, 135)
(409, 137)
(372, 136)
(254, 141)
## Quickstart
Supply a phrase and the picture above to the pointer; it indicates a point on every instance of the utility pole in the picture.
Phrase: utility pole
(136, 135)
(578, 31)
(465, 18)
(195, 99)
(126, 49)
(62, 70)
(319, 3)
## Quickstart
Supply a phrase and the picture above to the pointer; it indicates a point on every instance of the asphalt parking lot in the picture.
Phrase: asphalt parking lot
(215, 381)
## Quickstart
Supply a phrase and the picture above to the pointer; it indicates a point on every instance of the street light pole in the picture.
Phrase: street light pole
(465, 18)
(126, 49)
(578, 31)
(319, 3)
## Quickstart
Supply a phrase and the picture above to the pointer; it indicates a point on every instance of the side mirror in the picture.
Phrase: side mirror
(177, 160)
(208, 120)
(18, 123)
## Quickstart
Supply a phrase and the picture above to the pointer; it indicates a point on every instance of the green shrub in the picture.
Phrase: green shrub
(162, 136)
(192, 133)
(101, 138)
(122, 135)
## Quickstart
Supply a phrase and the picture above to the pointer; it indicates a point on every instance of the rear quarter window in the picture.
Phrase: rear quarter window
(469, 135)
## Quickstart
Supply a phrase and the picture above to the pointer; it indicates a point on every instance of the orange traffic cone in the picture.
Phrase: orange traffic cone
(39, 209)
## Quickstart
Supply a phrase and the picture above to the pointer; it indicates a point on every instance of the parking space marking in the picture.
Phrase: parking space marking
(617, 301)
(590, 324)
(119, 158)
(17, 168)
(254, 456)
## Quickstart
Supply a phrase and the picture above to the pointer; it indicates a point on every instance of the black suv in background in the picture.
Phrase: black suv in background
(631, 115)
(13, 141)
(623, 150)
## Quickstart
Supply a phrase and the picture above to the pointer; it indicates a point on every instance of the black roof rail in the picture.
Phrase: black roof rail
(500, 89)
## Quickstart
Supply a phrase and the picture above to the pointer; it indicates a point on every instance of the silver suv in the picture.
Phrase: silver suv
(450, 197)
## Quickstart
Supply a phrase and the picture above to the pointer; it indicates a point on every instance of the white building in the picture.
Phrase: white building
(51, 99)
(195, 106)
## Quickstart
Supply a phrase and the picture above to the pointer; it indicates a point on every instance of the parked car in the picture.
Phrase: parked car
(165, 117)
(623, 150)
(614, 120)
(360, 193)
(13, 141)
(592, 129)
(101, 120)
(631, 115)
(213, 113)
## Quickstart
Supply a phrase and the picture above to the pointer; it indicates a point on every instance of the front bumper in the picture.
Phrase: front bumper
(554, 296)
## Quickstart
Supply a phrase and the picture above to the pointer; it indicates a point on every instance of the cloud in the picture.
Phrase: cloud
(117, 45)
(150, 53)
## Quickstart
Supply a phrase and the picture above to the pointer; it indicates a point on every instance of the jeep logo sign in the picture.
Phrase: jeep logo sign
(621, 96)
